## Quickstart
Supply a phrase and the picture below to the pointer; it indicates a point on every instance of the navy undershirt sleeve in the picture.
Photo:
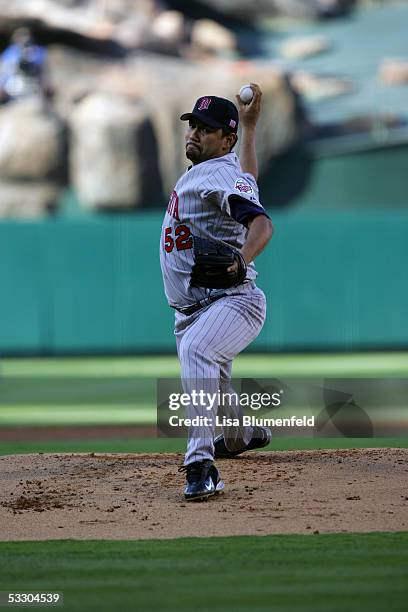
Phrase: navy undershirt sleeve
(243, 210)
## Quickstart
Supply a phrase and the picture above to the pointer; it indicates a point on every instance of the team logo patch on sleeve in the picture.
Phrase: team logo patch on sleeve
(243, 186)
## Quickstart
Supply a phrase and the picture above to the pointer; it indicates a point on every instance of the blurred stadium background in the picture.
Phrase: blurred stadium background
(90, 147)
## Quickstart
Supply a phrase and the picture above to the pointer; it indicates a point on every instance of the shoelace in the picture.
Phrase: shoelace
(194, 470)
(191, 469)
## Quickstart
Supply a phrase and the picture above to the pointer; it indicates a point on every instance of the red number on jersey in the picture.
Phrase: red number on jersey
(168, 240)
(184, 239)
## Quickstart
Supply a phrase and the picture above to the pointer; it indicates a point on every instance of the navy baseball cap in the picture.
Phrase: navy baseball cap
(215, 112)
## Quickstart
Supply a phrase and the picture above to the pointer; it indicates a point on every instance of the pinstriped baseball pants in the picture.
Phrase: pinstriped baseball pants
(207, 343)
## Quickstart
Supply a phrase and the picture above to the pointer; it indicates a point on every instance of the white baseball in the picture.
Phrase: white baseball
(246, 94)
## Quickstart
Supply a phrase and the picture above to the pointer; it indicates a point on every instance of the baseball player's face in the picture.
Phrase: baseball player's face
(204, 142)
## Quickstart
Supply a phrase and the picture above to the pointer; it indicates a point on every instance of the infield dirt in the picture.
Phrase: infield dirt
(100, 496)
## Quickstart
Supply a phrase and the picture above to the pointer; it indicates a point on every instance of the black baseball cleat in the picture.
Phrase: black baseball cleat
(203, 480)
(260, 438)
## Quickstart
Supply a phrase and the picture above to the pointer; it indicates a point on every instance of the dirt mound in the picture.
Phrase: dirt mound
(92, 496)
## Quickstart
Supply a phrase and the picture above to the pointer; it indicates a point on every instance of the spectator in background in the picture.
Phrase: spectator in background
(23, 68)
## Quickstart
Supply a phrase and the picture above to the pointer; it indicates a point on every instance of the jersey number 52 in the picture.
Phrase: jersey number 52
(182, 238)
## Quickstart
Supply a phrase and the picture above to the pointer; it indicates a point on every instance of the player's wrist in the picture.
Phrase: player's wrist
(246, 256)
(248, 128)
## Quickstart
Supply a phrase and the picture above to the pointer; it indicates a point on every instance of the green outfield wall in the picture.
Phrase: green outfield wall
(334, 281)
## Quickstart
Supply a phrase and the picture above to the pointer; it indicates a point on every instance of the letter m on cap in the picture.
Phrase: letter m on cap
(204, 103)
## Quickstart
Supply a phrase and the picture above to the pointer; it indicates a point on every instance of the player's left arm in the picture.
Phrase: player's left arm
(259, 234)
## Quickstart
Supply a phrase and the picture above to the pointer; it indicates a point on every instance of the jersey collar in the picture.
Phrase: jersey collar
(227, 158)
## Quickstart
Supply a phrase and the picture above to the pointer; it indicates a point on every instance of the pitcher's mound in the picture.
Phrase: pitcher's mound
(92, 496)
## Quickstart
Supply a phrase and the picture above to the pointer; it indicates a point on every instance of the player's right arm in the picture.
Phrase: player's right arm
(248, 118)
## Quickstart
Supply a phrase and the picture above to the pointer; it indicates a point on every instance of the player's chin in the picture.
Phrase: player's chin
(193, 153)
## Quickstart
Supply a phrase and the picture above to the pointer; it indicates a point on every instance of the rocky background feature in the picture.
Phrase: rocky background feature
(121, 73)
(27, 199)
(393, 71)
(31, 142)
(105, 159)
(300, 47)
(32, 159)
(296, 9)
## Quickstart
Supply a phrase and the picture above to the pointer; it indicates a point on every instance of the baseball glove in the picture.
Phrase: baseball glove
(211, 262)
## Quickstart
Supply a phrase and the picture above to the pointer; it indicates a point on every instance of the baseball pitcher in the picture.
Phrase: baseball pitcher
(213, 229)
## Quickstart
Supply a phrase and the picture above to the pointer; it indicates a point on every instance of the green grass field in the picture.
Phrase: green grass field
(177, 445)
(314, 364)
(324, 572)
(327, 573)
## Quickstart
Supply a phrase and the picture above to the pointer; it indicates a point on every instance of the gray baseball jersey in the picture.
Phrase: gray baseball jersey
(213, 199)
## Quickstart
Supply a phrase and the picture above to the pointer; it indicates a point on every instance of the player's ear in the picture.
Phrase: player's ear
(231, 140)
